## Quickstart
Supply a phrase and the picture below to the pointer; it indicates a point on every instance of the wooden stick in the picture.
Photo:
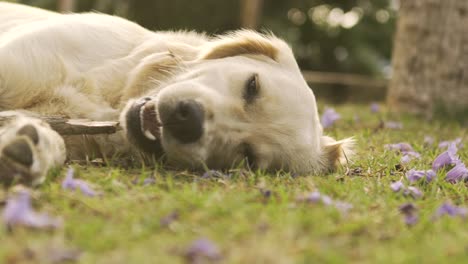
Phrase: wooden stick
(66, 126)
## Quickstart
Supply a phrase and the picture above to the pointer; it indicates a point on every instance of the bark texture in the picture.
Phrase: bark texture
(430, 58)
(251, 11)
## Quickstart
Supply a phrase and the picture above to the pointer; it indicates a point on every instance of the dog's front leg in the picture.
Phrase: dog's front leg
(28, 149)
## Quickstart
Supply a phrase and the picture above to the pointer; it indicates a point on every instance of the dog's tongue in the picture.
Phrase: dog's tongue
(149, 121)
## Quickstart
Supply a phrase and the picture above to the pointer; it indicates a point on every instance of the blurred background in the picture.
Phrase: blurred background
(343, 46)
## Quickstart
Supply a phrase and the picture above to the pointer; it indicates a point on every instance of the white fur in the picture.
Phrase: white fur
(91, 65)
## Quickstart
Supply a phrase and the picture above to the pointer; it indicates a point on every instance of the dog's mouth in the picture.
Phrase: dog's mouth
(150, 125)
(143, 127)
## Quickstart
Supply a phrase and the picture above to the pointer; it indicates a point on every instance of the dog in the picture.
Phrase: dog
(197, 101)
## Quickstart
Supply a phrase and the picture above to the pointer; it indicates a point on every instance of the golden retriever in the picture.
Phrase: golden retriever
(198, 101)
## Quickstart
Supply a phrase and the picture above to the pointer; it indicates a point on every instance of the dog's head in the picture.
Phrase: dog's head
(242, 100)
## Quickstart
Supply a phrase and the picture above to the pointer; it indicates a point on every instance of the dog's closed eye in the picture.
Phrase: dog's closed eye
(251, 89)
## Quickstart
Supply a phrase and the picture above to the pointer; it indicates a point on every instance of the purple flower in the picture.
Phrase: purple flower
(407, 191)
(327, 200)
(202, 250)
(69, 183)
(169, 219)
(317, 197)
(149, 181)
(313, 197)
(411, 219)
(329, 117)
(375, 108)
(214, 174)
(18, 212)
(450, 210)
(457, 142)
(408, 156)
(404, 148)
(406, 159)
(397, 186)
(410, 213)
(343, 207)
(446, 158)
(428, 140)
(457, 173)
(416, 175)
(393, 125)
(400, 147)
(413, 192)
(266, 193)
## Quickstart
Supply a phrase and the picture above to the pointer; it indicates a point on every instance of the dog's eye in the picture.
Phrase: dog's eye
(251, 89)
(249, 155)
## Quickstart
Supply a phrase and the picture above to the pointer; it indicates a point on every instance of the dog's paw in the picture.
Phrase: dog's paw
(28, 148)
(17, 157)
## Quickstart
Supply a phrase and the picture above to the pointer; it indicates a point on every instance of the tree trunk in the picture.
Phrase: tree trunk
(251, 10)
(430, 58)
(66, 6)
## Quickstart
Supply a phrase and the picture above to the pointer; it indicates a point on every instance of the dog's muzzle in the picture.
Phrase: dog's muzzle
(143, 127)
(183, 120)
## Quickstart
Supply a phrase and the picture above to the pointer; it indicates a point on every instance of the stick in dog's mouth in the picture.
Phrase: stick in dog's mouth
(150, 124)
(143, 126)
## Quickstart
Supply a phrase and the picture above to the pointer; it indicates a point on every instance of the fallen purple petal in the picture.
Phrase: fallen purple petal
(410, 213)
(214, 174)
(408, 156)
(457, 173)
(416, 175)
(313, 197)
(327, 200)
(393, 125)
(149, 181)
(18, 212)
(405, 159)
(169, 219)
(428, 140)
(457, 142)
(413, 154)
(413, 192)
(69, 183)
(405, 149)
(411, 219)
(397, 186)
(266, 193)
(343, 207)
(400, 147)
(450, 210)
(408, 208)
(407, 191)
(375, 108)
(201, 250)
(317, 197)
(446, 158)
(329, 117)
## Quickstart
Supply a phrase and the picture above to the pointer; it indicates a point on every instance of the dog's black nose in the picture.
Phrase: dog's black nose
(185, 122)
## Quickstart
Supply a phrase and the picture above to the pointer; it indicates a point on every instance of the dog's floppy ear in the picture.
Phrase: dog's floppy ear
(153, 68)
(335, 152)
(241, 42)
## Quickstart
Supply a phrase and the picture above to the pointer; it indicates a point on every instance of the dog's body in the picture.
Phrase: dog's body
(200, 101)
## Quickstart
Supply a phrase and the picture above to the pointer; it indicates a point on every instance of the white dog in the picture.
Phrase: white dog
(200, 102)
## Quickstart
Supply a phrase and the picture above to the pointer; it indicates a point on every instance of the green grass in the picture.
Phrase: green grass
(123, 225)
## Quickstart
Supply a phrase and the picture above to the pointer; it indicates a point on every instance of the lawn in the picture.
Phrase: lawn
(253, 217)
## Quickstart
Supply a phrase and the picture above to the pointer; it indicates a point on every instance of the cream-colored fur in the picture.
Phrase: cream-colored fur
(94, 66)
